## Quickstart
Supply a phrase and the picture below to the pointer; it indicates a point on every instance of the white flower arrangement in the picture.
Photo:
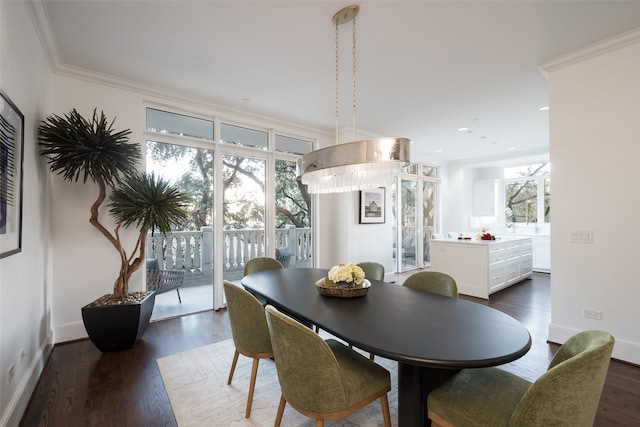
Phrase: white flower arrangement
(349, 274)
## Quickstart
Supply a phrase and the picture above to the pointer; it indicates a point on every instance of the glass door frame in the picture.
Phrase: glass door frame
(218, 219)
(419, 226)
(195, 143)
(400, 256)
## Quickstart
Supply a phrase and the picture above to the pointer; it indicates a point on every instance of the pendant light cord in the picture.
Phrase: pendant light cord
(337, 86)
(353, 55)
(353, 59)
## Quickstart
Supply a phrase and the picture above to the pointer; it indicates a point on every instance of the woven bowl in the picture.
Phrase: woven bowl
(327, 288)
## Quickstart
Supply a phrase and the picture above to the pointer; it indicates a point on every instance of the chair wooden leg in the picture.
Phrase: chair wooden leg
(384, 402)
(372, 356)
(280, 413)
(252, 386)
(319, 423)
(233, 366)
(438, 421)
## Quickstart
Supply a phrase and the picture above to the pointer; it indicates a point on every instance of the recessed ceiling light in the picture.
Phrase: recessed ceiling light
(544, 108)
(511, 148)
(462, 129)
(438, 151)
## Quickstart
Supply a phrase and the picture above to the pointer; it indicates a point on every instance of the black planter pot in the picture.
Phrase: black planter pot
(117, 327)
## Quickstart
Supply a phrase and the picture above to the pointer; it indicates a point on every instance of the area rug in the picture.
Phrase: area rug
(196, 383)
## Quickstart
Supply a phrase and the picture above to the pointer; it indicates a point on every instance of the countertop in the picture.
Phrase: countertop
(475, 241)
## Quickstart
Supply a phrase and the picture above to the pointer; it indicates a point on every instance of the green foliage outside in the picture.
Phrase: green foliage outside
(521, 196)
(243, 187)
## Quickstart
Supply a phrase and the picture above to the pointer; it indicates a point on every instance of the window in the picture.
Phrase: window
(179, 124)
(237, 135)
(287, 144)
(527, 194)
(429, 171)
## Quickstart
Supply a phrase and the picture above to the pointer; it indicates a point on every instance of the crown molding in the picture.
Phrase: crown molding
(42, 25)
(591, 51)
(153, 94)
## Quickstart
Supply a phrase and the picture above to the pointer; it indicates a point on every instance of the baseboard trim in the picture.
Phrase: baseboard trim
(623, 350)
(70, 332)
(20, 400)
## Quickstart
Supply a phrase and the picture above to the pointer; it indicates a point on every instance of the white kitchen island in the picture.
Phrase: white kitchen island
(482, 267)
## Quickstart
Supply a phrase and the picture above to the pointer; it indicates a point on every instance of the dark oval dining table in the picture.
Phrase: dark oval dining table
(430, 336)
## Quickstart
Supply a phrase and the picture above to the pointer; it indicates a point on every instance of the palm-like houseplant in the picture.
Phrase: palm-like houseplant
(92, 150)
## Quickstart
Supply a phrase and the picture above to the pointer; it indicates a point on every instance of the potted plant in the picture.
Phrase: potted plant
(91, 150)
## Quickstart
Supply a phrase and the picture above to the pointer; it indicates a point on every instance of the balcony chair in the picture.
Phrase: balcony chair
(323, 380)
(566, 395)
(162, 281)
(434, 282)
(249, 330)
(284, 255)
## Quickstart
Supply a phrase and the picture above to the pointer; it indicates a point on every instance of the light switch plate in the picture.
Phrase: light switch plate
(581, 236)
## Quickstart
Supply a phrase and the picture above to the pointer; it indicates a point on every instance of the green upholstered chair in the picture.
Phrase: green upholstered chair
(372, 270)
(375, 271)
(263, 263)
(566, 395)
(434, 282)
(250, 332)
(323, 380)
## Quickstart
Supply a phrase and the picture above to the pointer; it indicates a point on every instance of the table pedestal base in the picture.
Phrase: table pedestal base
(414, 385)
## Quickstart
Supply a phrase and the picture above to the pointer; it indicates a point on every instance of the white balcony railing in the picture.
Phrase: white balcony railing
(192, 251)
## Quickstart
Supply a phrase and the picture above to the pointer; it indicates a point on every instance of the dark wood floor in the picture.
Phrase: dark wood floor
(82, 387)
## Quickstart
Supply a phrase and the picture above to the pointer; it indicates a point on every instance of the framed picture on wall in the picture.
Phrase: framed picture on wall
(372, 206)
(11, 151)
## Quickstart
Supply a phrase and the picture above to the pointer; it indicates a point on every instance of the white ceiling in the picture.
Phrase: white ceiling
(424, 68)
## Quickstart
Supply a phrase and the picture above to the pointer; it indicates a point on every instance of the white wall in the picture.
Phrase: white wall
(369, 242)
(594, 150)
(456, 196)
(25, 291)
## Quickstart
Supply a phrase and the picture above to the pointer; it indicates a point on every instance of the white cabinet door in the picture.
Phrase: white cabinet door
(485, 197)
(542, 253)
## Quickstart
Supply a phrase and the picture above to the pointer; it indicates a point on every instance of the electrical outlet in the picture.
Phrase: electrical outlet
(592, 314)
(10, 373)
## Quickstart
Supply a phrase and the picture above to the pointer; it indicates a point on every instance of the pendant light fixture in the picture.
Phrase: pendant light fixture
(356, 165)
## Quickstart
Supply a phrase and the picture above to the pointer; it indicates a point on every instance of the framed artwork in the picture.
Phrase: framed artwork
(11, 152)
(372, 206)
